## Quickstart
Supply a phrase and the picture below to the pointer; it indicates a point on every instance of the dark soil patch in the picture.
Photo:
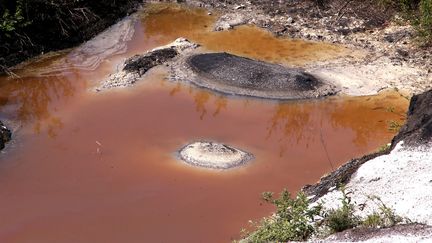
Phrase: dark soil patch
(5, 135)
(236, 75)
(418, 128)
(142, 63)
(337, 178)
(55, 25)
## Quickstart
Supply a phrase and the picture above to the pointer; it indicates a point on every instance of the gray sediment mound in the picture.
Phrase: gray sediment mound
(213, 155)
(222, 72)
(5, 135)
(236, 75)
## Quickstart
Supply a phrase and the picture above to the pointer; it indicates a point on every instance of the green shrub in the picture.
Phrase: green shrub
(419, 13)
(425, 19)
(384, 147)
(11, 21)
(342, 218)
(296, 220)
(383, 218)
(293, 219)
(394, 126)
(373, 220)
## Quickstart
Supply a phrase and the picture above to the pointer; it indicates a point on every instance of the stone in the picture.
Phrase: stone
(213, 155)
(229, 21)
(5, 135)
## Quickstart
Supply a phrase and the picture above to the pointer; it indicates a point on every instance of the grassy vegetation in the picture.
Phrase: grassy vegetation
(384, 147)
(293, 220)
(419, 13)
(343, 218)
(297, 220)
(10, 20)
(384, 217)
(394, 126)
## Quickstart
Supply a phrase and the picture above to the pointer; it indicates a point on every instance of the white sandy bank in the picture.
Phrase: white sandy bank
(402, 179)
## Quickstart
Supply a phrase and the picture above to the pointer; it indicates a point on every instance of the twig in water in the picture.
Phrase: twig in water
(325, 149)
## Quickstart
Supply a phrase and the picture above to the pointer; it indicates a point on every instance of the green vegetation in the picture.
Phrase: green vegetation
(342, 218)
(394, 126)
(384, 217)
(296, 220)
(11, 21)
(292, 221)
(419, 13)
(384, 147)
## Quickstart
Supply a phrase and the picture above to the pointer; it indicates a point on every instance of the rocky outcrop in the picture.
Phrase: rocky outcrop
(213, 155)
(5, 135)
(135, 67)
(418, 127)
(234, 75)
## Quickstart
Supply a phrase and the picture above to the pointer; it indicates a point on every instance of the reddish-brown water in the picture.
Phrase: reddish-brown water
(89, 167)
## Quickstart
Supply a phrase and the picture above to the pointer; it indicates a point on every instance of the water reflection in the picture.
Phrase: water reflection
(35, 100)
(304, 124)
(291, 124)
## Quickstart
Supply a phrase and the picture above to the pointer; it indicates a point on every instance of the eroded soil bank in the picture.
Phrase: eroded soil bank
(49, 26)
(101, 167)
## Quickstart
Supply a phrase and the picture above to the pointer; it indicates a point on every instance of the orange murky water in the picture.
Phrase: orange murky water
(88, 167)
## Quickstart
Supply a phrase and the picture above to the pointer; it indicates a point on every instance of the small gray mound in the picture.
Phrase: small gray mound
(236, 75)
(213, 155)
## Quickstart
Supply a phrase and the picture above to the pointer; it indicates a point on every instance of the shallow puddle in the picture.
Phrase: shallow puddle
(246, 41)
(102, 167)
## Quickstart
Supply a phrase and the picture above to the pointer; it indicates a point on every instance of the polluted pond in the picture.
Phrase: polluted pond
(87, 166)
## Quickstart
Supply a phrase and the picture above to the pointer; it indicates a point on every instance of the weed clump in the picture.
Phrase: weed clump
(297, 220)
(293, 219)
(383, 218)
(418, 13)
(342, 218)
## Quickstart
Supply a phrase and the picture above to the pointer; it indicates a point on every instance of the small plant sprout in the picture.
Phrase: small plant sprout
(394, 126)
(342, 218)
(384, 217)
(293, 220)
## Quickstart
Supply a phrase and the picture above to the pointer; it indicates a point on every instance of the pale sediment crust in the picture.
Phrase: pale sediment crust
(213, 155)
